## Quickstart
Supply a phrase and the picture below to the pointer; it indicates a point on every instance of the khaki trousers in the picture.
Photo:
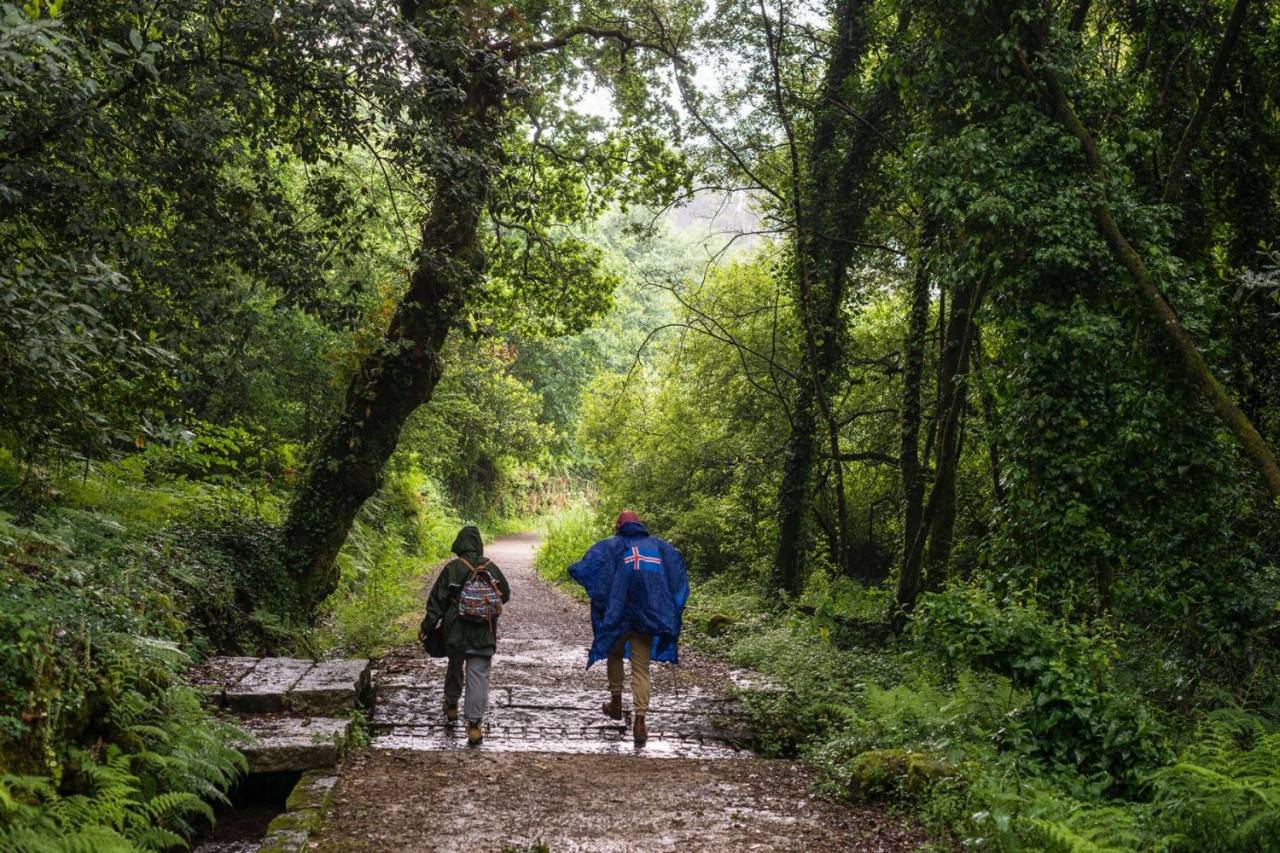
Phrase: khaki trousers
(640, 649)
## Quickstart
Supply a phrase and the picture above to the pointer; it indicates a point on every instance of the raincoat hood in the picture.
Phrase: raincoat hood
(468, 544)
(633, 528)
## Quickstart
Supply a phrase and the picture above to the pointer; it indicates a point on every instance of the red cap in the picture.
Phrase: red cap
(624, 517)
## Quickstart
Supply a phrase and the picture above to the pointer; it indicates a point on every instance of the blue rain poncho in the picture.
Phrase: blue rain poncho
(636, 582)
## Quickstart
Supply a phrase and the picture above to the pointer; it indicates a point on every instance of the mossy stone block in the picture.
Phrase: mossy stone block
(894, 772)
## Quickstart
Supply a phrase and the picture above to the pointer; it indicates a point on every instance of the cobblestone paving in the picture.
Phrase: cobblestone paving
(542, 697)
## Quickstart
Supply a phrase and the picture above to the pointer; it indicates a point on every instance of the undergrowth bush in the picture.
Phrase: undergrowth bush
(166, 761)
(107, 584)
(1079, 718)
(568, 537)
(111, 575)
(101, 746)
(1000, 726)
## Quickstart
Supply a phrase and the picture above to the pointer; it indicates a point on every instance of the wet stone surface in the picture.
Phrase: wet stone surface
(264, 687)
(331, 687)
(293, 743)
(542, 696)
(557, 720)
(272, 685)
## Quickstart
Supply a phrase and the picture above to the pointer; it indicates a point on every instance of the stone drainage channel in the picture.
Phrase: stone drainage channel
(301, 715)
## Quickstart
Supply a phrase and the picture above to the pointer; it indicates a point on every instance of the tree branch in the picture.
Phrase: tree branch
(868, 456)
(1212, 89)
(1195, 370)
(563, 38)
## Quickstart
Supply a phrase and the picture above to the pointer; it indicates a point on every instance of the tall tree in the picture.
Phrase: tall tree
(832, 199)
(489, 76)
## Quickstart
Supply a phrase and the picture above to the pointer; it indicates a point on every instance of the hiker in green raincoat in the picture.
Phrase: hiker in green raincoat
(462, 623)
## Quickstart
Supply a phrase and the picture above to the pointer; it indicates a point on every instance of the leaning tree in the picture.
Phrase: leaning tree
(505, 170)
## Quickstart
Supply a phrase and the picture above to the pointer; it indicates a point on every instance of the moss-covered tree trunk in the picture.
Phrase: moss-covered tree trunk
(395, 379)
(953, 378)
(401, 372)
(835, 198)
(909, 457)
(1185, 355)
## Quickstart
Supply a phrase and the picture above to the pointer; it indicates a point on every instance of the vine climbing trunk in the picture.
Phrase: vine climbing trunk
(909, 455)
(832, 203)
(953, 377)
(1187, 357)
(937, 522)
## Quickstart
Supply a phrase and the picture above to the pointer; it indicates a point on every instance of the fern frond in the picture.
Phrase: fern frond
(1057, 837)
(177, 803)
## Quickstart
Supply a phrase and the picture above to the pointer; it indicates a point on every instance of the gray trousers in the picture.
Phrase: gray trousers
(477, 670)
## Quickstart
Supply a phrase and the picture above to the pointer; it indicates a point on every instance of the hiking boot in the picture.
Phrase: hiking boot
(613, 708)
(450, 711)
(474, 733)
(639, 732)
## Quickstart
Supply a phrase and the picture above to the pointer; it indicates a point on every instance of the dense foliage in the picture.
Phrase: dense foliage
(1033, 587)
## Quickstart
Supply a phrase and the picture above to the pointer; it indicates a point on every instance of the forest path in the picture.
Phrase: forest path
(554, 771)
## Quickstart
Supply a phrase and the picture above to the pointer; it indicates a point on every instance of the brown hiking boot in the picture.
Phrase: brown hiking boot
(639, 732)
(613, 708)
(451, 712)
(474, 733)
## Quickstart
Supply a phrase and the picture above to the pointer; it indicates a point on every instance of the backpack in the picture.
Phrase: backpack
(479, 600)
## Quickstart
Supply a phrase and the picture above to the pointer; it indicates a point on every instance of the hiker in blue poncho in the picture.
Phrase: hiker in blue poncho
(638, 588)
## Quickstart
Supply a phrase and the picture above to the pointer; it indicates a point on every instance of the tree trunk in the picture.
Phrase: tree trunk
(909, 579)
(958, 342)
(793, 491)
(393, 381)
(989, 422)
(952, 377)
(401, 373)
(1209, 97)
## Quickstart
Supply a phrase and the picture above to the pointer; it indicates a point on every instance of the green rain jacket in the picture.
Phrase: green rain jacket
(462, 636)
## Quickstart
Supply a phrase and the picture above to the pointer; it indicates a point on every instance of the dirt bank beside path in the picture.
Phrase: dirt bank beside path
(554, 771)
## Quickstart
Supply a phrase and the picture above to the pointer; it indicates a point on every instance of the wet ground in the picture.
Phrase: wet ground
(553, 770)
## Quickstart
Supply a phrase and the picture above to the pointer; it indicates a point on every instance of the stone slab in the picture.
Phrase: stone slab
(262, 690)
(695, 701)
(562, 722)
(616, 742)
(291, 830)
(331, 688)
(214, 676)
(292, 743)
(313, 791)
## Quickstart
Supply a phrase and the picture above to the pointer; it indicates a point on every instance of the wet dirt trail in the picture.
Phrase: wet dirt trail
(554, 771)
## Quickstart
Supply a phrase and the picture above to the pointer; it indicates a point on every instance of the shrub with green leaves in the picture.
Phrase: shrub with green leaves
(569, 535)
(166, 762)
(1078, 717)
(101, 745)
